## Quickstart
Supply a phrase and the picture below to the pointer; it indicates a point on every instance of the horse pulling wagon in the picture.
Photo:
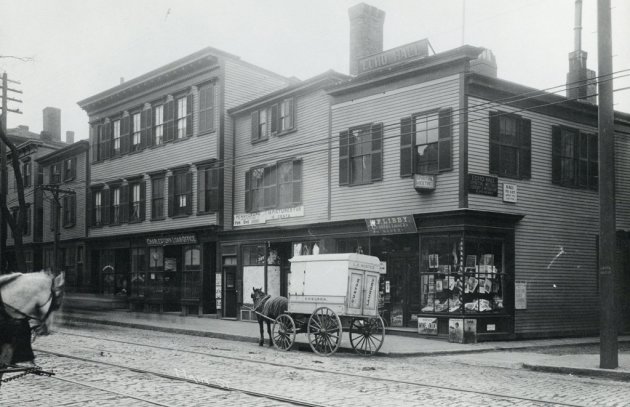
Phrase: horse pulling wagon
(329, 291)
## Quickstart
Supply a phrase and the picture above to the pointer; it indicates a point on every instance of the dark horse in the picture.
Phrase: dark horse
(267, 308)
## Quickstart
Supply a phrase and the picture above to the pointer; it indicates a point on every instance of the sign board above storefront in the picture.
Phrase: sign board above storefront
(418, 49)
(483, 185)
(391, 225)
(256, 218)
(171, 240)
(424, 183)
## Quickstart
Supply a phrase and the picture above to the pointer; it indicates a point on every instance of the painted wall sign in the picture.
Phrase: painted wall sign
(171, 240)
(520, 295)
(510, 193)
(423, 183)
(245, 219)
(394, 55)
(391, 225)
(483, 185)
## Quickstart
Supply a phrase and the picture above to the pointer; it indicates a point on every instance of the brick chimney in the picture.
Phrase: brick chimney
(69, 137)
(581, 84)
(366, 33)
(52, 122)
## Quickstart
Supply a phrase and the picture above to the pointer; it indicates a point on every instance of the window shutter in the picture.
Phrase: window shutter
(556, 146)
(96, 130)
(255, 119)
(124, 134)
(73, 209)
(105, 207)
(171, 195)
(124, 203)
(74, 168)
(169, 120)
(145, 123)
(53, 205)
(297, 182)
(215, 175)
(445, 137)
(107, 136)
(143, 199)
(189, 193)
(344, 158)
(90, 209)
(406, 147)
(525, 148)
(248, 193)
(377, 152)
(201, 190)
(189, 115)
(275, 119)
(495, 129)
(292, 112)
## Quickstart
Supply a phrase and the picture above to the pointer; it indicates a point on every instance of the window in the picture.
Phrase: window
(15, 211)
(191, 275)
(136, 201)
(55, 173)
(180, 194)
(260, 127)
(574, 158)
(208, 187)
(158, 125)
(103, 134)
(184, 117)
(116, 208)
(425, 143)
(136, 132)
(277, 119)
(98, 208)
(510, 145)
(69, 211)
(157, 198)
(26, 174)
(138, 271)
(206, 108)
(116, 144)
(360, 155)
(69, 169)
(275, 186)
(286, 115)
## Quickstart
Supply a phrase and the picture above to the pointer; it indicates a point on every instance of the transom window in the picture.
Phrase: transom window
(510, 145)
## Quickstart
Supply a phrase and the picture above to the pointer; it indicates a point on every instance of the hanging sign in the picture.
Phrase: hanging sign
(391, 225)
(423, 182)
(483, 185)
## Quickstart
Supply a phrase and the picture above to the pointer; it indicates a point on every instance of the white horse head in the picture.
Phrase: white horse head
(32, 295)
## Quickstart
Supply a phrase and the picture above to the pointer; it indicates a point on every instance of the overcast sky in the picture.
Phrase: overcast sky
(73, 49)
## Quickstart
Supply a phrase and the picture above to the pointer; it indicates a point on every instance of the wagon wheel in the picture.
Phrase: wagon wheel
(367, 335)
(283, 332)
(324, 331)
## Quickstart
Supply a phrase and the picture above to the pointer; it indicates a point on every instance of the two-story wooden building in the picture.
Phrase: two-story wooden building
(161, 177)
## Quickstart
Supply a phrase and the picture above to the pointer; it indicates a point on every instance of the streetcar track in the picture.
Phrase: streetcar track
(303, 368)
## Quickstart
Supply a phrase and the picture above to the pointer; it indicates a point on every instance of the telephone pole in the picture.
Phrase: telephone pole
(4, 180)
(55, 193)
(608, 352)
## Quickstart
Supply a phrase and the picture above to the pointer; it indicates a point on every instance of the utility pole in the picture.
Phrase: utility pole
(4, 180)
(608, 352)
(55, 193)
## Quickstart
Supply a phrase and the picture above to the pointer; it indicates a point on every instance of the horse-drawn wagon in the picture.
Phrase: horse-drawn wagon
(326, 290)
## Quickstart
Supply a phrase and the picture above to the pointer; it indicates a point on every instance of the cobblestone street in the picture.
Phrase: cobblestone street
(122, 367)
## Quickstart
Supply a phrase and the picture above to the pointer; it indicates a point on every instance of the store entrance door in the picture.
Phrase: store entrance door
(231, 292)
(404, 286)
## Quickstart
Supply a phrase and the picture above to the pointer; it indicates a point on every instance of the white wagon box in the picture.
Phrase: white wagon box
(347, 283)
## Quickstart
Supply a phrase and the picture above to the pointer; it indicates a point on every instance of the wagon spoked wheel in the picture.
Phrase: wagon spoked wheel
(324, 331)
(283, 332)
(367, 335)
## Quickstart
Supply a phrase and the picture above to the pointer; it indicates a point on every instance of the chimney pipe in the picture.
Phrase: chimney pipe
(581, 84)
(577, 31)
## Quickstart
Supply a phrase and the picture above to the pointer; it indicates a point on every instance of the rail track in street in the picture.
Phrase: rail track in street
(276, 397)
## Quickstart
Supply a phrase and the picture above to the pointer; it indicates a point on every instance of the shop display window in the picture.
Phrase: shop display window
(191, 275)
(138, 271)
(463, 274)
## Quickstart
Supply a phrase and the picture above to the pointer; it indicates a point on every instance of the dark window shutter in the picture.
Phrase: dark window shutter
(124, 203)
(107, 136)
(124, 134)
(377, 152)
(494, 148)
(189, 193)
(215, 176)
(90, 209)
(292, 112)
(275, 118)
(105, 207)
(189, 115)
(248, 200)
(73, 172)
(406, 147)
(143, 199)
(53, 206)
(445, 137)
(96, 130)
(171, 195)
(255, 119)
(297, 182)
(146, 124)
(169, 120)
(556, 162)
(525, 148)
(344, 158)
(73, 209)
(201, 190)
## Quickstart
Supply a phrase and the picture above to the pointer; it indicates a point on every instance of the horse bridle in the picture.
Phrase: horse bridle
(51, 298)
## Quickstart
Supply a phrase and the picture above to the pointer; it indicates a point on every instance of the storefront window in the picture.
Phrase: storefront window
(138, 271)
(353, 245)
(191, 276)
(154, 281)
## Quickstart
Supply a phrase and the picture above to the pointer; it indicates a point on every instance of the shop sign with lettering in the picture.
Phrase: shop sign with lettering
(414, 50)
(483, 185)
(423, 182)
(171, 240)
(510, 193)
(391, 225)
(245, 219)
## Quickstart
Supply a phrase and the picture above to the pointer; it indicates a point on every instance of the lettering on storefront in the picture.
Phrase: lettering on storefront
(391, 225)
(483, 185)
(418, 49)
(245, 219)
(171, 240)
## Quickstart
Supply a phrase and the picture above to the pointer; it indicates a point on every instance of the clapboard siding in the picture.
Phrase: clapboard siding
(555, 247)
(622, 185)
(308, 142)
(244, 83)
(395, 195)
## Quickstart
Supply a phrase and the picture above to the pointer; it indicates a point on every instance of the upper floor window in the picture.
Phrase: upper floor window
(361, 154)
(99, 212)
(425, 143)
(274, 186)
(180, 194)
(15, 212)
(260, 127)
(574, 158)
(136, 132)
(69, 210)
(157, 198)
(69, 169)
(115, 206)
(206, 108)
(158, 125)
(102, 141)
(27, 176)
(286, 115)
(136, 201)
(510, 145)
(116, 139)
(184, 117)
(208, 198)
(275, 119)
(55, 173)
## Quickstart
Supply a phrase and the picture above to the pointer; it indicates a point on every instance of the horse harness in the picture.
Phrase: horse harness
(53, 298)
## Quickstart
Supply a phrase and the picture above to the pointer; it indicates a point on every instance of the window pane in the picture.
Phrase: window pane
(509, 161)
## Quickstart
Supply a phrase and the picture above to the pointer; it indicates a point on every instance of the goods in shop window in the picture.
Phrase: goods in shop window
(487, 285)
(439, 285)
(471, 284)
(478, 305)
(498, 302)
(441, 306)
(471, 261)
(455, 305)
(434, 261)
(487, 260)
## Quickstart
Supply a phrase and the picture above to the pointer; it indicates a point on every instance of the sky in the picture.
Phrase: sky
(64, 51)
